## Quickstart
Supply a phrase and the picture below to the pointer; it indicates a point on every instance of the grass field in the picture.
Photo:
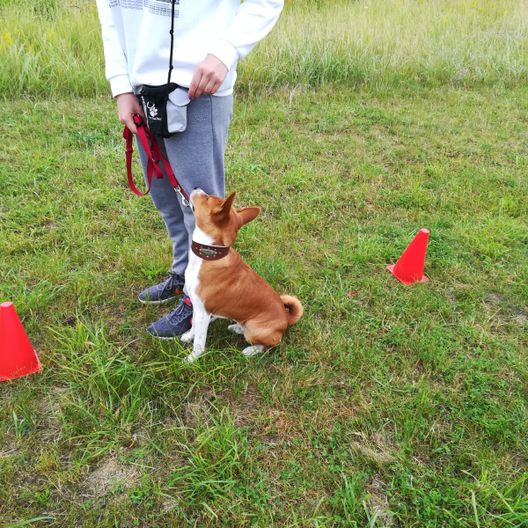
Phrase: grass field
(49, 47)
(385, 406)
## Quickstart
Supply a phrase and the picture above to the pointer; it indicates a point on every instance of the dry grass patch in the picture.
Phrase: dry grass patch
(110, 476)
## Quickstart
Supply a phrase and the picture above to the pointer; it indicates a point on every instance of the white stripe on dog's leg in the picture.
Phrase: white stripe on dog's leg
(253, 350)
(200, 324)
(237, 328)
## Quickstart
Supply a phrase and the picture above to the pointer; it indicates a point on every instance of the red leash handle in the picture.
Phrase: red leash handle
(154, 156)
(129, 151)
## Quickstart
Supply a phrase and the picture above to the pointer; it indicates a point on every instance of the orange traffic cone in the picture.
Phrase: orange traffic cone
(17, 357)
(410, 266)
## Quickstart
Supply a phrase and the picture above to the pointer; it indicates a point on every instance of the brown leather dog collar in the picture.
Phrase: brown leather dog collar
(209, 252)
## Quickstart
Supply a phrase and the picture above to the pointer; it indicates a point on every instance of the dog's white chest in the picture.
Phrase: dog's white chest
(192, 273)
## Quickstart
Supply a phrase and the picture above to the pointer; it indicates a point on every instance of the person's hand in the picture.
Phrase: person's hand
(127, 106)
(208, 77)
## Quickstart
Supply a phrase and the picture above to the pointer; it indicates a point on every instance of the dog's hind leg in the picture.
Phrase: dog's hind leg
(237, 328)
(260, 338)
(253, 350)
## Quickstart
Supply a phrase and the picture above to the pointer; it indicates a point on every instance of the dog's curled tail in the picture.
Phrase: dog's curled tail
(293, 307)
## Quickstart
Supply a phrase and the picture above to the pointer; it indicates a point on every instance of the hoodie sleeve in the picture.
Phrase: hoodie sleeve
(116, 70)
(253, 21)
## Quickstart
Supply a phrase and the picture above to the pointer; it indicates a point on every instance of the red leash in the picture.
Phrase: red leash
(154, 155)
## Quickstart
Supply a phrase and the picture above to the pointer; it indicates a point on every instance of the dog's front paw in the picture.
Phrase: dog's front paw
(188, 336)
(191, 358)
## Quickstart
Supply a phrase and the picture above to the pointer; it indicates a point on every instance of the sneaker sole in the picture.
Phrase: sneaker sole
(165, 301)
(162, 337)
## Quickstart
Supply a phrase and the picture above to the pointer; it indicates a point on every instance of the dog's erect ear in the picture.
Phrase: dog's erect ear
(247, 214)
(222, 211)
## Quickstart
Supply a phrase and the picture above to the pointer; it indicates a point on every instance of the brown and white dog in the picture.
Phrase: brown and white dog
(221, 285)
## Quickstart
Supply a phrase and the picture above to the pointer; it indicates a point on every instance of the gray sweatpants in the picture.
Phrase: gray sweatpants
(197, 159)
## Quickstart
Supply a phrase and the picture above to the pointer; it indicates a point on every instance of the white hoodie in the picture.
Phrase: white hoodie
(136, 38)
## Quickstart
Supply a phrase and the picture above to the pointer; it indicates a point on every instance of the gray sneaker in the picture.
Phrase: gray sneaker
(164, 292)
(175, 323)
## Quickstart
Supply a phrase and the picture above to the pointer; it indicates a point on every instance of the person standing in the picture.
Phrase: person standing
(209, 37)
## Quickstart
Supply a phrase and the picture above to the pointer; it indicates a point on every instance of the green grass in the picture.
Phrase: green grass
(54, 48)
(385, 405)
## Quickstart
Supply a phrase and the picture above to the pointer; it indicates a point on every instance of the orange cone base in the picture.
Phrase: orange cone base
(25, 371)
(17, 357)
(390, 267)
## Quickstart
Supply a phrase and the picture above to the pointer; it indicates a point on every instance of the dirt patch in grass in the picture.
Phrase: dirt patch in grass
(521, 318)
(110, 476)
(503, 312)
(7, 451)
(197, 408)
(245, 407)
(374, 448)
(334, 409)
(282, 426)
(48, 413)
(377, 502)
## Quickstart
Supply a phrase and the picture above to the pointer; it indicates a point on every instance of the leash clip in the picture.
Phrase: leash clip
(184, 200)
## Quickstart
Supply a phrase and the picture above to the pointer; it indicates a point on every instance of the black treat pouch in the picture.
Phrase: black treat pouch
(154, 100)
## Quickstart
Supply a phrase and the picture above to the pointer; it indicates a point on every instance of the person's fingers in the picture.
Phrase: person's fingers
(211, 86)
(195, 82)
(139, 110)
(134, 107)
(140, 113)
(201, 86)
(128, 121)
(216, 87)
(207, 84)
(208, 77)
(128, 105)
(131, 126)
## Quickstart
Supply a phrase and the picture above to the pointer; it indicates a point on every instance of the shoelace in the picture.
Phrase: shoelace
(182, 311)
